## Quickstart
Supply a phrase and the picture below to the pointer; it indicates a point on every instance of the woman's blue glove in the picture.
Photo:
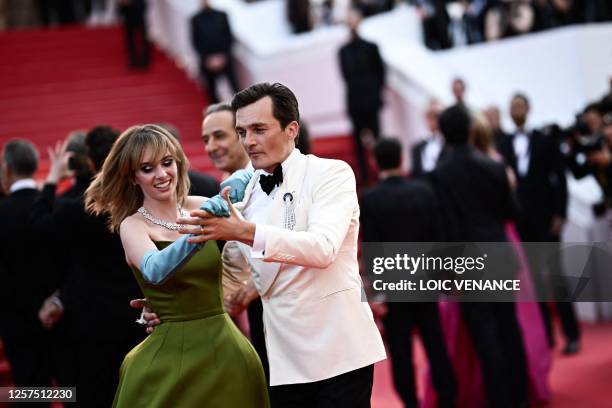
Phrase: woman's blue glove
(237, 182)
(157, 266)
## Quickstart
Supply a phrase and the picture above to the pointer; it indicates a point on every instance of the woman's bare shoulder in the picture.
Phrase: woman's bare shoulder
(132, 223)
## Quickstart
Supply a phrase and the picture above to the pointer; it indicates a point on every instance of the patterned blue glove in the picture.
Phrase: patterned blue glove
(237, 182)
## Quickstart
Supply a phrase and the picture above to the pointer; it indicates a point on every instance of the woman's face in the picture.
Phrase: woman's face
(157, 180)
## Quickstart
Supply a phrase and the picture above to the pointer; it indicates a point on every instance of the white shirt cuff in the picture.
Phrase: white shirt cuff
(259, 242)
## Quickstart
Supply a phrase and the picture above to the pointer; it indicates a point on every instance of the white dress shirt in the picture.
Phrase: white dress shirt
(22, 185)
(521, 150)
(257, 210)
(431, 153)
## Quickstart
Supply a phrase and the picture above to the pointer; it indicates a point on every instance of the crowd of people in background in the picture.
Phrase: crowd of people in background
(445, 23)
(453, 23)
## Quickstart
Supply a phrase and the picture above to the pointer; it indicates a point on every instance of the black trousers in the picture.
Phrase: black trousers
(30, 362)
(258, 339)
(349, 390)
(210, 78)
(498, 342)
(91, 364)
(399, 322)
(548, 279)
(136, 37)
(362, 121)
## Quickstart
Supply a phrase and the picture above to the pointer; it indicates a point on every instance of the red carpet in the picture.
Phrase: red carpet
(580, 381)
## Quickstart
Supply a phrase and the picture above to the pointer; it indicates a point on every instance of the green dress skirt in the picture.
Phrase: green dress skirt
(196, 357)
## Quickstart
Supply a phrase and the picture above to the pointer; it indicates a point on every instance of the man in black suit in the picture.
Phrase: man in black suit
(397, 210)
(542, 193)
(136, 37)
(299, 15)
(364, 74)
(95, 281)
(24, 270)
(425, 154)
(212, 39)
(436, 20)
(476, 200)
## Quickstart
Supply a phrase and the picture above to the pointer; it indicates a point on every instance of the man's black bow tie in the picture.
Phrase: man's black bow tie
(268, 183)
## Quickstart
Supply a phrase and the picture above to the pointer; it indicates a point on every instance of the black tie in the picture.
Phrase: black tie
(268, 183)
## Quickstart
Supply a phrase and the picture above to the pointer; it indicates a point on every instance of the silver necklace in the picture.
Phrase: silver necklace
(169, 225)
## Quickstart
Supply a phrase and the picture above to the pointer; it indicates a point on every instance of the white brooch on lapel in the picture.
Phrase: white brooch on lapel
(289, 203)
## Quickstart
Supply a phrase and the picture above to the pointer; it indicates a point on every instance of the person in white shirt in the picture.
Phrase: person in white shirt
(426, 153)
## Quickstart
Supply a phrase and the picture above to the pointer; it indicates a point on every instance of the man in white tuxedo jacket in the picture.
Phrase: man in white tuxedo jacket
(299, 228)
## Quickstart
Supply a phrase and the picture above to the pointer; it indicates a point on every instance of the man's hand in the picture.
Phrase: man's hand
(240, 300)
(601, 158)
(208, 227)
(215, 62)
(50, 312)
(147, 314)
(556, 225)
(379, 309)
(58, 158)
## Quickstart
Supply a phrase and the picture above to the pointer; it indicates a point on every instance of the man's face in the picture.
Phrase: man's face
(518, 111)
(266, 143)
(3, 176)
(593, 120)
(221, 142)
(458, 90)
(493, 117)
(432, 115)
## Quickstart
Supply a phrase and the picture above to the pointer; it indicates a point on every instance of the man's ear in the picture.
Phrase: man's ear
(293, 130)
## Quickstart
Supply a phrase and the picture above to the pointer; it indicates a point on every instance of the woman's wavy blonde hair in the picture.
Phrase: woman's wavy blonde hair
(482, 134)
(113, 191)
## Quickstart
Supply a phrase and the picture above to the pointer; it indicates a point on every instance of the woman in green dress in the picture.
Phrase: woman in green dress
(196, 357)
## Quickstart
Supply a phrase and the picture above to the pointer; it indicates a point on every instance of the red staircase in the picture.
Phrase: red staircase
(56, 81)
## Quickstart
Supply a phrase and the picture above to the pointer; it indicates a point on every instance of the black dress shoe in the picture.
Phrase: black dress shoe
(571, 347)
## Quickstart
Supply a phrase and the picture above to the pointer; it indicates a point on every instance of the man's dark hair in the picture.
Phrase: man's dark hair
(522, 97)
(78, 161)
(218, 107)
(21, 157)
(302, 141)
(99, 141)
(455, 124)
(284, 103)
(593, 107)
(388, 153)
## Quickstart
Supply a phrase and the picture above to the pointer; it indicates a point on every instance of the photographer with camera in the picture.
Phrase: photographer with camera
(588, 151)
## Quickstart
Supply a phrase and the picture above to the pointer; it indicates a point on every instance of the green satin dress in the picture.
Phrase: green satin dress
(196, 357)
